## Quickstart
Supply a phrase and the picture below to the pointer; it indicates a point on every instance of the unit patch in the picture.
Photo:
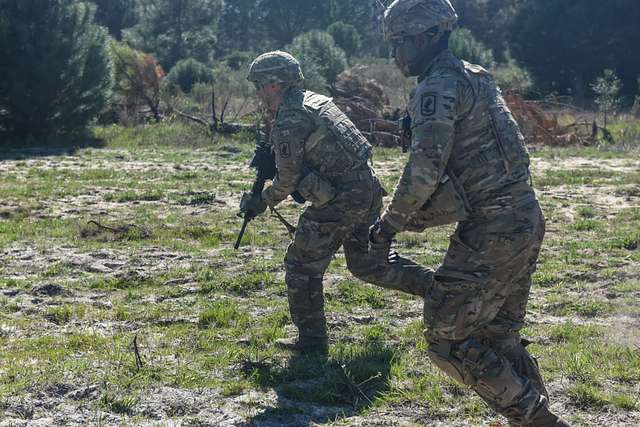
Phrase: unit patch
(428, 103)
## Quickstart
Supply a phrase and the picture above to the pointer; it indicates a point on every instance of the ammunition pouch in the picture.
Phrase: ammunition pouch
(316, 189)
(447, 205)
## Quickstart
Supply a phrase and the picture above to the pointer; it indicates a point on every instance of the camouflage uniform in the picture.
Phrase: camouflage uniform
(323, 156)
(468, 151)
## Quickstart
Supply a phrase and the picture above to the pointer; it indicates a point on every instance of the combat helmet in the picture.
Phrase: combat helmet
(412, 17)
(275, 67)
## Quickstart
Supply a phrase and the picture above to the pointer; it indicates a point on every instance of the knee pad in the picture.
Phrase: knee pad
(526, 366)
(479, 366)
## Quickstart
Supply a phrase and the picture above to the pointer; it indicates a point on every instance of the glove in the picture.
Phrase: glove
(252, 205)
(380, 239)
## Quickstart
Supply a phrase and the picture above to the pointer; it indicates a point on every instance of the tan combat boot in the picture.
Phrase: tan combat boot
(544, 418)
(304, 345)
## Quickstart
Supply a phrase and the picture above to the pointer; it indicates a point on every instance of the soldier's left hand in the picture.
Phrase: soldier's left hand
(252, 205)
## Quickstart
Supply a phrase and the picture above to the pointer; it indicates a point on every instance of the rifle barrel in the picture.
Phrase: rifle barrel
(241, 234)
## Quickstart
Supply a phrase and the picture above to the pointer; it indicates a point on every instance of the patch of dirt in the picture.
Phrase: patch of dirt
(27, 262)
(572, 163)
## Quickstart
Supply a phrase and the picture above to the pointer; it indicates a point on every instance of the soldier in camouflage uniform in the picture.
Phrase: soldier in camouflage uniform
(468, 164)
(322, 155)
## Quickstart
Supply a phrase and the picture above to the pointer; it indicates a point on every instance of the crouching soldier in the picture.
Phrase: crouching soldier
(321, 155)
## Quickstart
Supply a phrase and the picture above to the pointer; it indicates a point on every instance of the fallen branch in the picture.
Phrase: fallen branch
(119, 230)
(217, 126)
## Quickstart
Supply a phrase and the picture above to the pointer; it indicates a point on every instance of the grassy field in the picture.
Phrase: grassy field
(122, 301)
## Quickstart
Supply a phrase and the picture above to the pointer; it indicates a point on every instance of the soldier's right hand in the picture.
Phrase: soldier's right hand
(379, 243)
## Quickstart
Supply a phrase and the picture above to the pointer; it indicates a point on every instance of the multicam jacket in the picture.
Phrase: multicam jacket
(311, 135)
(463, 131)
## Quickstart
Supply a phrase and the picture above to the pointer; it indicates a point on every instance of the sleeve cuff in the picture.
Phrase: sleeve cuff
(392, 222)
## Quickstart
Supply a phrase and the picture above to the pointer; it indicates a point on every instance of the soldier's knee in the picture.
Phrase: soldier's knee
(361, 268)
(474, 364)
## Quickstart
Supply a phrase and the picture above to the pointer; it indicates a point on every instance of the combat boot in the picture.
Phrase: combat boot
(544, 418)
(304, 345)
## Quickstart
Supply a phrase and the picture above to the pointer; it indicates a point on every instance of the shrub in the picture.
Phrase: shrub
(187, 72)
(138, 78)
(607, 88)
(319, 56)
(346, 36)
(239, 61)
(56, 73)
(635, 110)
(465, 46)
(511, 76)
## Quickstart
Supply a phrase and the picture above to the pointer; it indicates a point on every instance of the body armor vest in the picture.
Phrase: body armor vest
(336, 147)
(488, 169)
(489, 154)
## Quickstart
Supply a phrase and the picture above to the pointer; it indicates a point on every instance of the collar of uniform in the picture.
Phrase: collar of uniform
(440, 58)
(289, 98)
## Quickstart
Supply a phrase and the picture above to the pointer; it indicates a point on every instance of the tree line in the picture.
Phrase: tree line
(63, 58)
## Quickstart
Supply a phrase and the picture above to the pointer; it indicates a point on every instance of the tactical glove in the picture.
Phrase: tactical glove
(380, 239)
(252, 205)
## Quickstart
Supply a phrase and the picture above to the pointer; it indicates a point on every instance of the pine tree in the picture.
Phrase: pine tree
(116, 15)
(607, 88)
(320, 58)
(177, 29)
(56, 73)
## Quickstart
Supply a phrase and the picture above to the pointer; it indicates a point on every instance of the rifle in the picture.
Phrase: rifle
(407, 133)
(264, 162)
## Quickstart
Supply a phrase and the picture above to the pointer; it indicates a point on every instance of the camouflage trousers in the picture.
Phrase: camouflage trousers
(476, 307)
(344, 221)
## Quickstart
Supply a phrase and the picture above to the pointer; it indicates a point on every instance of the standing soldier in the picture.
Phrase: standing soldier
(321, 155)
(468, 164)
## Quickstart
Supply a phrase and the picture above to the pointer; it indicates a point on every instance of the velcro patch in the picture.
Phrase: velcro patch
(428, 104)
(285, 150)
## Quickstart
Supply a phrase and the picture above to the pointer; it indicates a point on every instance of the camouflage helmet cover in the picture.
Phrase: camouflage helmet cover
(275, 67)
(411, 17)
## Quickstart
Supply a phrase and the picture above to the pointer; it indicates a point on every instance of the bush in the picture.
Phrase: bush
(187, 72)
(138, 78)
(56, 73)
(346, 36)
(511, 76)
(607, 88)
(239, 61)
(635, 110)
(464, 45)
(233, 96)
(319, 56)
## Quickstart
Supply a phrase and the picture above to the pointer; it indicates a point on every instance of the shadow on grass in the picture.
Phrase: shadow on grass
(316, 389)
(30, 147)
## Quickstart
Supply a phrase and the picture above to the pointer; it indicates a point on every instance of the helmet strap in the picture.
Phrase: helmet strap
(419, 50)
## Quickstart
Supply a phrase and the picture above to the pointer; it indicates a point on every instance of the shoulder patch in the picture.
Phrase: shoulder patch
(285, 150)
(428, 104)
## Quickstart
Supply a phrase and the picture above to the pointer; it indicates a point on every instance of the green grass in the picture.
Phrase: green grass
(223, 314)
(207, 316)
